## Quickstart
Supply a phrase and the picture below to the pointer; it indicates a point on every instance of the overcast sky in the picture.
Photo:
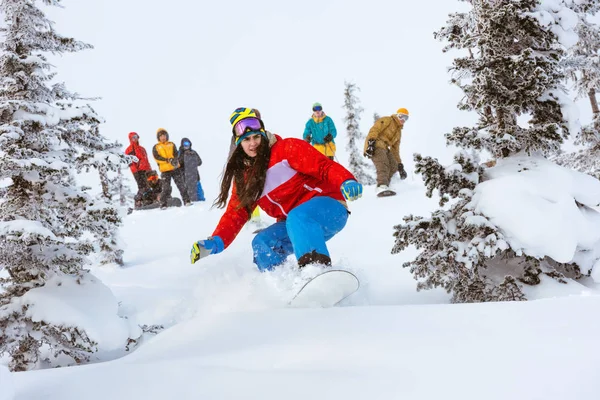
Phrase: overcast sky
(185, 65)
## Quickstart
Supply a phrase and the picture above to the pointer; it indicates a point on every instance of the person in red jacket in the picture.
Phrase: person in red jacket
(140, 165)
(291, 181)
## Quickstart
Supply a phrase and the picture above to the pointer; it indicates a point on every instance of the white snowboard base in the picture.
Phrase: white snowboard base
(326, 289)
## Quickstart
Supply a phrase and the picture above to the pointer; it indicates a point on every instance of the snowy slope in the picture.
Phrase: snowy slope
(230, 335)
(539, 350)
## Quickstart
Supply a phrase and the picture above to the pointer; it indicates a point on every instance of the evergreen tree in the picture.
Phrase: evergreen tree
(108, 243)
(376, 116)
(47, 134)
(357, 165)
(510, 70)
(582, 66)
(122, 189)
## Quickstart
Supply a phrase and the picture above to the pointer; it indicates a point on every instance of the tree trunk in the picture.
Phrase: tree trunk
(122, 194)
(103, 172)
(501, 121)
(595, 110)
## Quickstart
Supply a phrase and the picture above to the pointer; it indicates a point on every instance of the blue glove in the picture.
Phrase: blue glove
(351, 190)
(204, 248)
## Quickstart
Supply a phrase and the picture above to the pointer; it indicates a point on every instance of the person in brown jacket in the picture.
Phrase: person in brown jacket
(382, 146)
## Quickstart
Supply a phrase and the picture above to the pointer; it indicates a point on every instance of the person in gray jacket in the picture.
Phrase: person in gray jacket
(189, 160)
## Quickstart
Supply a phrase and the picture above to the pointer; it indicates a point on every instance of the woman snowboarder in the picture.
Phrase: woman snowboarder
(291, 181)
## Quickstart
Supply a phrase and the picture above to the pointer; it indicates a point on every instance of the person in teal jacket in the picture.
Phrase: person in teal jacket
(320, 132)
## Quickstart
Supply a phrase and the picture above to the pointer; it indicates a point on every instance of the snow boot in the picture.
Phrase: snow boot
(314, 258)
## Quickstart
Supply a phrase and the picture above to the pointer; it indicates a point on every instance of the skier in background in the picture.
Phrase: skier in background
(166, 155)
(292, 182)
(140, 165)
(320, 132)
(151, 197)
(189, 161)
(382, 146)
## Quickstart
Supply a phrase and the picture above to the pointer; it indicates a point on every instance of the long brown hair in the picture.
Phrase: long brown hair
(248, 173)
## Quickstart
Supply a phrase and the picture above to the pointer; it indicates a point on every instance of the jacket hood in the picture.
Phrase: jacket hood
(273, 138)
(186, 140)
(160, 131)
(131, 135)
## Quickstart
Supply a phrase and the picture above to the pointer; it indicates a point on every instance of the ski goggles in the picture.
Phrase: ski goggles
(318, 108)
(403, 117)
(153, 178)
(187, 144)
(135, 137)
(247, 127)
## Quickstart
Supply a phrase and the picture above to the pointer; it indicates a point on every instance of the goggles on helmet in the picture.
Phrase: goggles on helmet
(153, 178)
(187, 144)
(403, 117)
(318, 108)
(247, 125)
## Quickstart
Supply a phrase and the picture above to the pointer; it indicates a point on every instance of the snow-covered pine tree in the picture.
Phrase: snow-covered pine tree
(510, 70)
(582, 65)
(46, 135)
(376, 116)
(357, 165)
(108, 243)
(122, 188)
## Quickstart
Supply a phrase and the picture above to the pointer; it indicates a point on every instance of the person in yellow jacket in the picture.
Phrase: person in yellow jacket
(382, 146)
(166, 155)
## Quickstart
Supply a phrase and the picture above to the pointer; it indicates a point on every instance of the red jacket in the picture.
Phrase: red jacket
(135, 149)
(296, 173)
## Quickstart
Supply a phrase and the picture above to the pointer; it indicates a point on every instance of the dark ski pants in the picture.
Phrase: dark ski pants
(306, 230)
(165, 192)
(142, 184)
(385, 164)
(191, 186)
(200, 192)
(171, 202)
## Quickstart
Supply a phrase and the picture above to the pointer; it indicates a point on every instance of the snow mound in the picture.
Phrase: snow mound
(543, 209)
(89, 305)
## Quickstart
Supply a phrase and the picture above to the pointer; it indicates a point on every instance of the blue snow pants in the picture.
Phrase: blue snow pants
(307, 228)
(200, 192)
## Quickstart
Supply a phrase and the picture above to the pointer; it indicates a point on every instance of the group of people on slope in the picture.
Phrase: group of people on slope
(382, 144)
(299, 185)
(180, 165)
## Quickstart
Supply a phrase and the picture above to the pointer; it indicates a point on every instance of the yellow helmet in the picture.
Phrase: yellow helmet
(402, 111)
(240, 114)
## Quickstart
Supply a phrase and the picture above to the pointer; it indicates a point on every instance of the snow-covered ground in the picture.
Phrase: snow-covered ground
(229, 333)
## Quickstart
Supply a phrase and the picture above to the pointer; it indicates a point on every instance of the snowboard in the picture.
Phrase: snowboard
(386, 193)
(326, 289)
